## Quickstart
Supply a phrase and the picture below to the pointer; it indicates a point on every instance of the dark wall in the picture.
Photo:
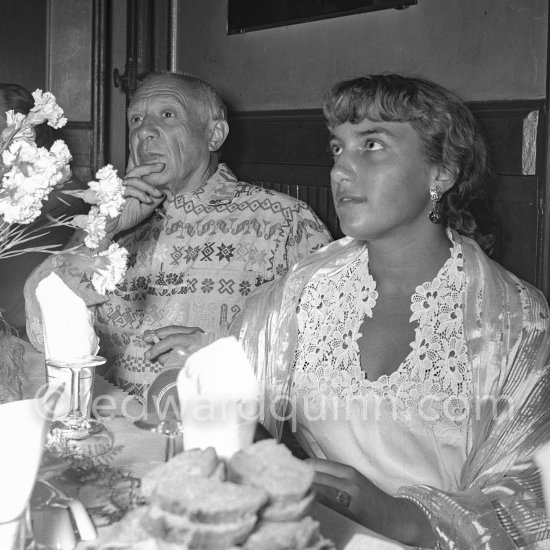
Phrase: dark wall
(23, 43)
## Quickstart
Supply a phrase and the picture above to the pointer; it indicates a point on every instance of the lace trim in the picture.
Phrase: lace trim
(435, 377)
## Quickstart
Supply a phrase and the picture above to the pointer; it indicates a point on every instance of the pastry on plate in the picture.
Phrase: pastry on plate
(288, 535)
(270, 466)
(195, 462)
(204, 513)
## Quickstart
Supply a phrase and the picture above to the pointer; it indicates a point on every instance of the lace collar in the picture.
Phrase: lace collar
(330, 315)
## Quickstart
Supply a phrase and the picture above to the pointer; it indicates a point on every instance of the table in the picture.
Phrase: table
(139, 451)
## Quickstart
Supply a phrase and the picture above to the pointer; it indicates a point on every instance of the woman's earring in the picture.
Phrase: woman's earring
(435, 196)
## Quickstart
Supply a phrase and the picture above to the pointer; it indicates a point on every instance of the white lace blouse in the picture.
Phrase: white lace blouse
(408, 428)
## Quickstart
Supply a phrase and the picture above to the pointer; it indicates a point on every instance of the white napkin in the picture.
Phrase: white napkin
(23, 426)
(542, 460)
(67, 322)
(219, 398)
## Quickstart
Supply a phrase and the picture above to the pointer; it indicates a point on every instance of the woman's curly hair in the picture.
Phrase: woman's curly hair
(449, 132)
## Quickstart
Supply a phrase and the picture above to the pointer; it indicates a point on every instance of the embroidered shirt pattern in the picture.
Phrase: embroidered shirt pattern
(194, 262)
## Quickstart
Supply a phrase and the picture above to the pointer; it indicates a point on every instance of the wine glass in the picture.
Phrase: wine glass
(76, 425)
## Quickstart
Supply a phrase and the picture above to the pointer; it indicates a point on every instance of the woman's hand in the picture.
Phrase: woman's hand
(141, 199)
(183, 340)
(350, 493)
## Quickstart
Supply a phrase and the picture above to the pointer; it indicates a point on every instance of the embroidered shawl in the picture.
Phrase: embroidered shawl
(499, 503)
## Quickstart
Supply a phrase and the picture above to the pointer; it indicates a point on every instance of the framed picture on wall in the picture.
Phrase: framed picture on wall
(252, 15)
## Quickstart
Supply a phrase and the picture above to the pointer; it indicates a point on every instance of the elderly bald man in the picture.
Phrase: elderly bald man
(199, 240)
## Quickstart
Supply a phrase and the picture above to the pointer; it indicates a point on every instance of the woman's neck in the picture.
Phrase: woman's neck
(399, 265)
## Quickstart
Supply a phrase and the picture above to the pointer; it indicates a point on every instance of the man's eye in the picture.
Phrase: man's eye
(168, 114)
(134, 119)
(335, 149)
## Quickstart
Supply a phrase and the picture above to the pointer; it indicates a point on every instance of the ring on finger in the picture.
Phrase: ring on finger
(154, 336)
(343, 499)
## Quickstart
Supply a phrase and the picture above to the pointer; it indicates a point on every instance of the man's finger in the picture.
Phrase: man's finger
(163, 358)
(141, 190)
(154, 336)
(164, 332)
(145, 170)
(164, 346)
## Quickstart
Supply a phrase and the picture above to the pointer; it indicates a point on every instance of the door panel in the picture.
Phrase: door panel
(75, 67)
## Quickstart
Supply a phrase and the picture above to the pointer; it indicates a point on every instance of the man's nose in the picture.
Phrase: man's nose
(148, 129)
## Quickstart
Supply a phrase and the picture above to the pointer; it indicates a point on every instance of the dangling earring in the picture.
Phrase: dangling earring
(435, 196)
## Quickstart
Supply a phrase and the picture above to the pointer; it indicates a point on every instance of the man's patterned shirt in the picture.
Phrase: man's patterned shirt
(194, 262)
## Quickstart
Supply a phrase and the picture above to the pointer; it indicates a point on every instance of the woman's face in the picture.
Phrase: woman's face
(380, 180)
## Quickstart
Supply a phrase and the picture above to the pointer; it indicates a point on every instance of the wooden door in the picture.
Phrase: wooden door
(75, 69)
(140, 38)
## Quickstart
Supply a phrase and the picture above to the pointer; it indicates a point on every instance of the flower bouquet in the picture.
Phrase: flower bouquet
(28, 174)
(106, 196)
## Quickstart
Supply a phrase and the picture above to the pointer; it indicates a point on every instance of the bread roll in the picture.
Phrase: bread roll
(204, 512)
(175, 528)
(287, 480)
(209, 500)
(190, 507)
(195, 462)
(293, 535)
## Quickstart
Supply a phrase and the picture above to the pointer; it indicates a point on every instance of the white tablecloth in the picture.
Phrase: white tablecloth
(141, 450)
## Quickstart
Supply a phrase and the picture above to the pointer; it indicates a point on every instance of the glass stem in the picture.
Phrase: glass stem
(170, 447)
(76, 412)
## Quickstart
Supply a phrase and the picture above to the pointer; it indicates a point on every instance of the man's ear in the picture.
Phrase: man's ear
(218, 132)
(444, 178)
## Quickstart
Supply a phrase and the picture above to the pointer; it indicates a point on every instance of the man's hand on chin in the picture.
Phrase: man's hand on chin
(141, 198)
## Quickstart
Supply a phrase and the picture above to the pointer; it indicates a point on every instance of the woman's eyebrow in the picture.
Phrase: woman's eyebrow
(375, 130)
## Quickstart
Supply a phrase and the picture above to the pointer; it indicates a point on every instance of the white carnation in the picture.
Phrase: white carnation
(13, 118)
(95, 228)
(111, 273)
(108, 191)
(17, 205)
(32, 173)
(28, 173)
(46, 108)
(61, 152)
